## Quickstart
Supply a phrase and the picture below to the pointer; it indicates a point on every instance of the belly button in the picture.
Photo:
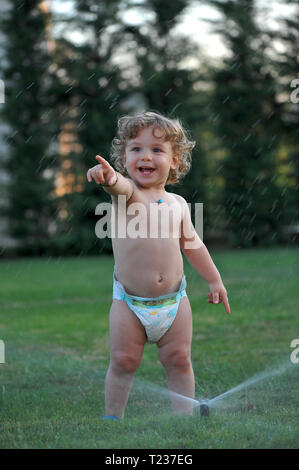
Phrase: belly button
(160, 278)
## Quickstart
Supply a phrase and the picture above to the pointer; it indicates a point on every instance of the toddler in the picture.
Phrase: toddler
(150, 303)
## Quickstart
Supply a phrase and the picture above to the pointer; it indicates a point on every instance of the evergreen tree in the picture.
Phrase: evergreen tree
(287, 65)
(247, 120)
(28, 164)
(91, 95)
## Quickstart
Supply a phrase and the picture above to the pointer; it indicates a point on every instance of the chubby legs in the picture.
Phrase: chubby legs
(127, 339)
(175, 356)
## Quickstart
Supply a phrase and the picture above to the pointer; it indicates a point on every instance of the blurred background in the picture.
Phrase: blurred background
(69, 69)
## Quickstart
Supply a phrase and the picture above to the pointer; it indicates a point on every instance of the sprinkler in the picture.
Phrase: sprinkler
(204, 408)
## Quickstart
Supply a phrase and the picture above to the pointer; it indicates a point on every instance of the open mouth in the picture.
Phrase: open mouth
(146, 170)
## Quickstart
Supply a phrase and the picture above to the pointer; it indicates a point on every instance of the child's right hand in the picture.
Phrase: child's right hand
(103, 173)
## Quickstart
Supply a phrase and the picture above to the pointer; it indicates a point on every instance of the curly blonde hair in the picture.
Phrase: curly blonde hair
(130, 126)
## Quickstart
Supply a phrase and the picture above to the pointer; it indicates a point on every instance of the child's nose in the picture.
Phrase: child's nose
(146, 155)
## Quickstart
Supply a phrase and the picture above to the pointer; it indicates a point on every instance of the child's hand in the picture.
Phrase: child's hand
(103, 173)
(218, 294)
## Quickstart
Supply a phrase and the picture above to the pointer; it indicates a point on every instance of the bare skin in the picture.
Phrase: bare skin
(151, 267)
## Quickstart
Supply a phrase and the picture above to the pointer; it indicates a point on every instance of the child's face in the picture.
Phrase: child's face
(148, 158)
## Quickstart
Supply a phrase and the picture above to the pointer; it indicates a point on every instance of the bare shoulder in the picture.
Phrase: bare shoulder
(179, 199)
(182, 204)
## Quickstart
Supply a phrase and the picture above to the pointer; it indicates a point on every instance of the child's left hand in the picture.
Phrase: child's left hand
(218, 294)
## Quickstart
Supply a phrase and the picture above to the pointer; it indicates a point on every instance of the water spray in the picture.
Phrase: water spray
(236, 398)
(206, 404)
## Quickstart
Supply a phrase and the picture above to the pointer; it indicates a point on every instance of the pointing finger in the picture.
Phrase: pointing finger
(226, 305)
(102, 161)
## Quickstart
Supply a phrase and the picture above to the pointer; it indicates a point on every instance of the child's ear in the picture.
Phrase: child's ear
(175, 161)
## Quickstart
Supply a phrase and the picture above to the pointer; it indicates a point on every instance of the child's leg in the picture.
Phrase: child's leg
(175, 356)
(127, 339)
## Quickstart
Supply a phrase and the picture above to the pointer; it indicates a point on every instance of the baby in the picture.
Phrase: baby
(150, 303)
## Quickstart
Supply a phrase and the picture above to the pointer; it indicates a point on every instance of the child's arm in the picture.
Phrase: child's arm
(113, 182)
(198, 256)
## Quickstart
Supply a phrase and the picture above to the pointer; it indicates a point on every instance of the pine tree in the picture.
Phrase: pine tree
(28, 163)
(90, 99)
(247, 120)
(287, 66)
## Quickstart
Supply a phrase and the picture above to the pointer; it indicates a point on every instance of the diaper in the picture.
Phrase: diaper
(155, 313)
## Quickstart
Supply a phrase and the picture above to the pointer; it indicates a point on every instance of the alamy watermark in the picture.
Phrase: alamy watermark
(2, 92)
(295, 354)
(2, 352)
(155, 220)
(295, 94)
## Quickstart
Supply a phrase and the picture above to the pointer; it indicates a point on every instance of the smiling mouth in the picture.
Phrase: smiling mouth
(146, 170)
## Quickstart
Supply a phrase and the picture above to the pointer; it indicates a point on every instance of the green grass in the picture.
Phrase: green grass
(54, 322)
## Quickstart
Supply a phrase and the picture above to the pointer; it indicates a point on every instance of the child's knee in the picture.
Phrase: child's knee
(178, 358)
(124, 362)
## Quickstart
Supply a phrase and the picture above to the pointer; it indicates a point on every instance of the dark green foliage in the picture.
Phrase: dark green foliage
(92, 83)
(244, 165)
(248, 123)
(31, 207)
(287, 66)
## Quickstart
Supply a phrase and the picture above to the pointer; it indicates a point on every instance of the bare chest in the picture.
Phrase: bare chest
(147, 219)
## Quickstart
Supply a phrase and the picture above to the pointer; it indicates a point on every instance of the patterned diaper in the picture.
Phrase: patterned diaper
(155, 313)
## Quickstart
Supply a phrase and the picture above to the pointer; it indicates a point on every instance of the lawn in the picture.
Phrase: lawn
(54, 323)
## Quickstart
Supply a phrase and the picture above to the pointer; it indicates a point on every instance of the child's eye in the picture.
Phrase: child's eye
(156, 150)
(135, 149)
